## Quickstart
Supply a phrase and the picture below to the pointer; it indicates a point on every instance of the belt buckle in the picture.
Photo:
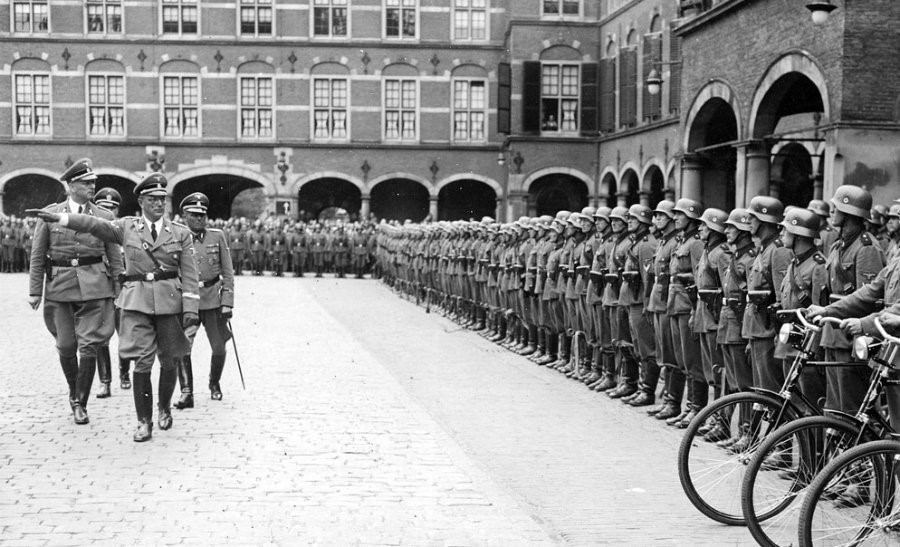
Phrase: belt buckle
(74, 262)
(149, 276)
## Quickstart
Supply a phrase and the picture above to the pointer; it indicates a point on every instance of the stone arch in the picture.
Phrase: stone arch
(629, 187)
(222, 186)
(123, 182)
(30, 171)
(30, 188)
(655, 22)
(408, 176)
(319, 194)
(795, 73)
(466, 198)
(529, 180)
(30, 64)
(104, 65)
(716, 89)
(608, 187)
(557, 190)
(653, 183)
(498, 189)
(399, 68)
(301, 181)
(560, 52)
(400, 196)
(329, 67)
(179, 66)
(255, 67)
(233, 170)
(469, 70)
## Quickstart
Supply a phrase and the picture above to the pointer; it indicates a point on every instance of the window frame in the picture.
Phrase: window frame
(470, 40)
(106, 104)
(485, 111)
(104, 4)
(32, 32)
(561, 15)
(257, 108)
(312, 107)
(162, 103)
(179, 4)
(15, 104)
(417, 8)
(384, 109)
(330, 35)
(559, 97)
(240, 5)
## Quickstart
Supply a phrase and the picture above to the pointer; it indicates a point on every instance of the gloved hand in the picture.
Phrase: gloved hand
(227, 312)
(852, 326)
(190, 319)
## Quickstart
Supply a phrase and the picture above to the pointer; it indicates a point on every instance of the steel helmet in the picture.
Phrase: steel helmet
(879, 214)
(642, 213)
(801, 222)
(819, 207)
(714, 219)
(767, 209)
(665, 207)
(690, 207)
(740, 219)
(589, 212)
(894, 211)
(602, 212)
(620, 213)
(575, 218)
(852, 200)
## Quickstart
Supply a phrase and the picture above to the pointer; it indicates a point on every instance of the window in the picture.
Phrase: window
(31, 17)
(179, 17)
(563, 8)
(329, 18)
(256, 107)
(400, 109)
(32, 106)
(400, 18)
(469, 107)
(559, 97)
(470, 20)
(104, 16)
(106, 106)
(256, 17)
(330, 108)
(181, 106)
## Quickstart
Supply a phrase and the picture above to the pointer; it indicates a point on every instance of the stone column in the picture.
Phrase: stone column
(757, 171)
(1, 203)
(364, 206)
(692, 177)
(433, 208)
(644, 198)
(622, 199)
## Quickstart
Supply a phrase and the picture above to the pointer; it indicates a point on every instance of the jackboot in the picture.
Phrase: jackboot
(70, 370)
(532, 332)
(186, 381)
(168, 377)
(104, 370)
(563, 352)
(124, 376)
(609, 379)
(143, 406)
(699, 399)
(594, 373)
(675, 420)
(86, 369)
(216, 365)
(540, 348)
(552, 349)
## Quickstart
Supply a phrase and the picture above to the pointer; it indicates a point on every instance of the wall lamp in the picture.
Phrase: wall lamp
(654, 80)
(820, 11)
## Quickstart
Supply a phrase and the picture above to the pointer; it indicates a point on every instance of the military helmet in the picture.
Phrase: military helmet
(879, 215)
(714, 219)
(602, 212)
(801, 222)
(642, 213)
(665, 207)
(852, 200)
(545, 219)
(819, 207)
(620, 213)
(767, 209)
(690, 207)
(575, 218)
(894, 211)
(740, 219)
(562, 216)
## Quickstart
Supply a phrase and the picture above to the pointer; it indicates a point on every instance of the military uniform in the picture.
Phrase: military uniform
(238, 248)
(635, 297)
(709, 273)
(662, 328)
(738, 371)
(7, 245)
(276, 244)
(256, 240)
(298, 242)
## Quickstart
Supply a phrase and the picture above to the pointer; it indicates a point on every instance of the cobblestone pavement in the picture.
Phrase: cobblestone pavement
(365, 421)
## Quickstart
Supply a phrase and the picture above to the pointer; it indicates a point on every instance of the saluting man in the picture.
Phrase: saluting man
(216, 297)
(159, 295)
(73, 273)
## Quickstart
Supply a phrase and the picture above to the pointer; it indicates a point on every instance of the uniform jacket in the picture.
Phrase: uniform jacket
(600, 244)
(800, 288)
(766, 274)
(709, 274)
(639, 253)
(7, 236)
(213, 259)
(256, 239)
(659, 293)
(682, 264)
(734, 286)
(863, 302)
(615, 263)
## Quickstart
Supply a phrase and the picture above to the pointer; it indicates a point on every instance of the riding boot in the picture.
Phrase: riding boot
(143, 406)
(87, 366)
(596, 369)
(688, 407)
(540, 345)
(674, 394)
(216, 365)
(565, 344)
(552, 344)
(124, 376)
(104, 370)
(186, 381)
(70, 370)
(609, 379)
(481, 316)
(168, 377)
(532, 346)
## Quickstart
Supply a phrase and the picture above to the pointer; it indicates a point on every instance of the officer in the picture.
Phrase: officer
(359, 253)
(73, 273)
(827, 234)
(216, 276)
(763, 298)
(159, 296)
(110, 199)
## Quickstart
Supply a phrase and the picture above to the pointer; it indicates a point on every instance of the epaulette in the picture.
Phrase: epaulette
(865, 239)
(819, 258)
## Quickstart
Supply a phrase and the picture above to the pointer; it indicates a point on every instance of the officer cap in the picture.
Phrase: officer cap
(819, 207)
(108, 198)
(602, 212)
(589, 212)
(740, 219)
(665, 207)
(195, 203)
(80, 171)
(894, 211)
(879, 212)
(642, 213)
(690, 207)
(714, 219)
(767, 209)
(852, 200)
(801, 222)
(155, 185)
(620, 213)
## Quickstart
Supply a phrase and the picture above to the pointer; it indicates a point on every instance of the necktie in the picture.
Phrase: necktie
(153, 231)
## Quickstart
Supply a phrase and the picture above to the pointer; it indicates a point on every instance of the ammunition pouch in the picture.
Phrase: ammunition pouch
(691, 291)
(711, 299)
(761, 299)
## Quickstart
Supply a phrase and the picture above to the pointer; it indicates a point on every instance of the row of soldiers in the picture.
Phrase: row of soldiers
(678, 297)
(16, 237)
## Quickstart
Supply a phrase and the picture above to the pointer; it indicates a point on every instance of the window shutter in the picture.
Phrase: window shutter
(590, 75)
(674, 74)
(531, 97)
(608, 95)
(652, 54)
(504, 93)
(628, 88)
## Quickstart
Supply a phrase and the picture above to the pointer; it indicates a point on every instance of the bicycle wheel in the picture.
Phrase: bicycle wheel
(781, 469)
(712, 476)
(874, 517)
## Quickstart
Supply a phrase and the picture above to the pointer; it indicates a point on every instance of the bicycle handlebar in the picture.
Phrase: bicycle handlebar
(885, 335)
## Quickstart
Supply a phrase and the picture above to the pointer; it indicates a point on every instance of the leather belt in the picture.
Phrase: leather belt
(149, 276)
(77, 261)
(210, 282)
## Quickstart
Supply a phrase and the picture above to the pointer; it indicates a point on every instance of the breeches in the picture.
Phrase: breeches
(216, 328)
(80, 327)
(146, 336)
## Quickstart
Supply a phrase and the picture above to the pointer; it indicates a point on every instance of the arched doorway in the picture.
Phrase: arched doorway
(653, 186)
(125, 188)
(792, 169)
(31, 191)
(608, 190)
(556, 192)
(221, 189)
(628, 189)
(318, 195)
(710, 140)
(400, 199)
(466, 199)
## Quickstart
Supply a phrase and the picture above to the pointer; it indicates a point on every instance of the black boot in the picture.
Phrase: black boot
(168, 377)
(216, 365)
(186, 380)
(86, 368)
(143, 406)
(104, 370)
(124, 378)
(70, 370)
(552, 343)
